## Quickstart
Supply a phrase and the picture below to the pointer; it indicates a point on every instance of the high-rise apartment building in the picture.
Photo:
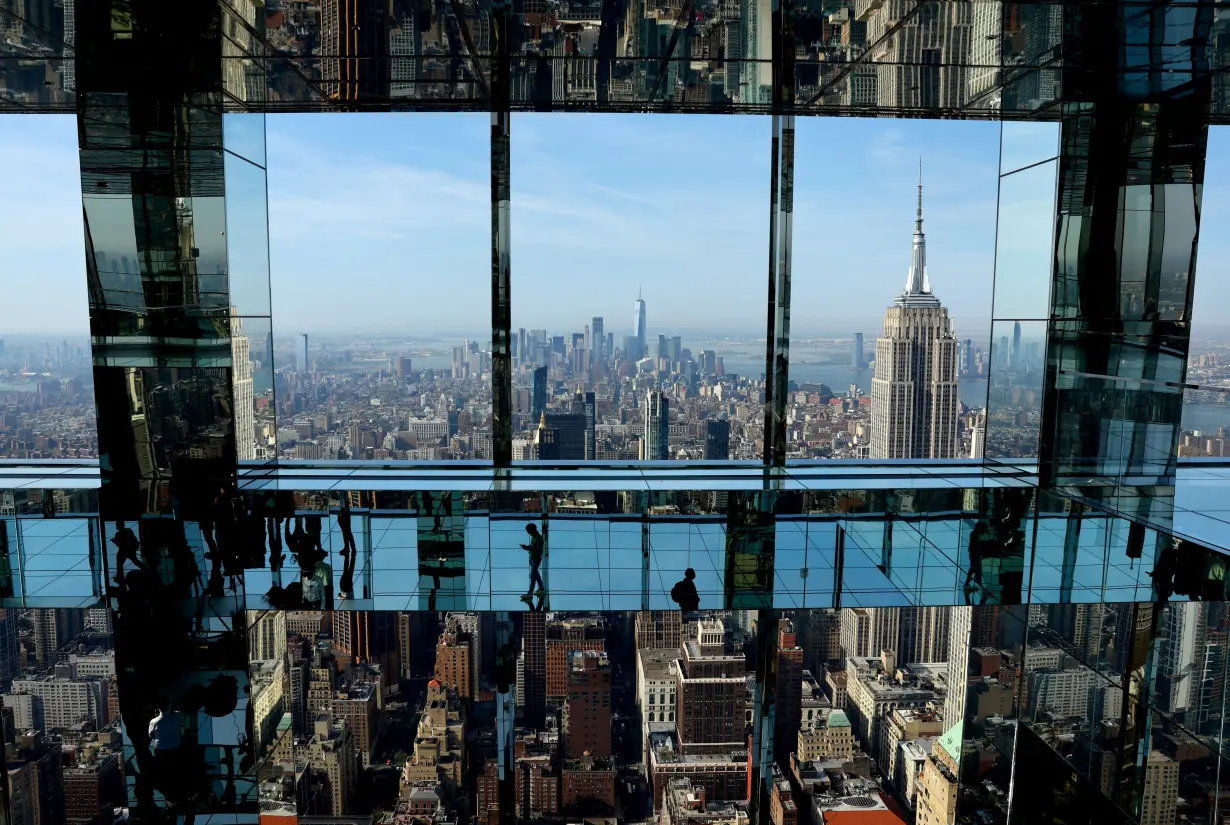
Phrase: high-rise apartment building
(914, 392)
(655, 444)
(457, 660)
(1160, 795)
(54, 628)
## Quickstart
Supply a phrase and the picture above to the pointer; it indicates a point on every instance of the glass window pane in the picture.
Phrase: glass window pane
(1024, 143)
(380, 248)
(857, 223)
(46, 375)
(1023, 248)
(629, 285)
(247, 235)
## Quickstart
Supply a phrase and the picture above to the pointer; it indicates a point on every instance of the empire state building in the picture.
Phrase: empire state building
(914, 392)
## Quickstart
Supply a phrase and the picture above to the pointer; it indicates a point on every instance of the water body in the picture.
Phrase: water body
(1206, 417)
(971, 391)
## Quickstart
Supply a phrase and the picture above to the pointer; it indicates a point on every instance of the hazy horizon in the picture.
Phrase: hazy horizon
(380, 225)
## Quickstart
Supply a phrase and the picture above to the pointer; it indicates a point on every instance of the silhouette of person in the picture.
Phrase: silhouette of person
(973, 576)
(343, 524)
(684, 592)
(314, 529)
(350, 552)
(126, 547)
(536, 549)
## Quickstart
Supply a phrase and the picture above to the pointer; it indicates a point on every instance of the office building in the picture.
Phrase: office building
(93, 790)
(587, 707)
(638, 328)
(65, 701)
(655, 442)
(242, 399)
(789, 691)
(937, 790)
(539, 402)
(914, 392)
(717, 439)
(534, 649)
(710, 691)
(866, 632)
(856, 352)
(302, 356)
(186, 149)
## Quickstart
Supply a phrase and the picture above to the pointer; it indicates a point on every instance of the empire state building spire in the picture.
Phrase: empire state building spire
(917, 284)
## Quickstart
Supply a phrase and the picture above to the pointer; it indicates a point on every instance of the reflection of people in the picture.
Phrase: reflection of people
(6, 566)
(684, 592)
(973, 576)
(126, 546)
(535, 549)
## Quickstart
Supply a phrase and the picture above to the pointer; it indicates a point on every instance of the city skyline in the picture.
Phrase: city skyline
(381, 235)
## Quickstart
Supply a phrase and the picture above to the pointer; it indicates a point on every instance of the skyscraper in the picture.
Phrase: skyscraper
(591, 444)
(1015, 353)
(538, 402)
(597, 339)
(867, 632)
(789, 691)
(301, 353)
(534, 649)
(856, 352)
(241, 390)
(638, 326)
(717, 439)
(914, 392)
(655, 444)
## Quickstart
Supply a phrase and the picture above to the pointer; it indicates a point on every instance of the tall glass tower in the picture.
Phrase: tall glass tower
(638, 325)
(914, 392)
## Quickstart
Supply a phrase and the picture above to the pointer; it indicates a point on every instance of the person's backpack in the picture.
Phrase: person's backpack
(676, 593)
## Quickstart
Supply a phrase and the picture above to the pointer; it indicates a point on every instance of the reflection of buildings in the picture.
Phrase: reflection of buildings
(924, 64)
(241, 391)
(914, 392)
(354, 49)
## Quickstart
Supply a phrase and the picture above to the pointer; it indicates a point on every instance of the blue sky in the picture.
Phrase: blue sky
(381, 222)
